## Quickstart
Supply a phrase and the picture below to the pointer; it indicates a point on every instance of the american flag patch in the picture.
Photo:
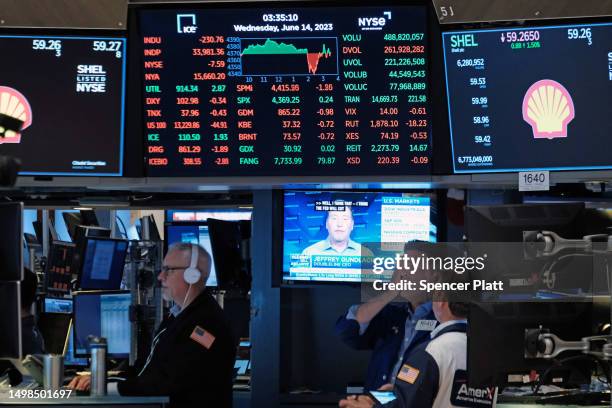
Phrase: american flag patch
(202, 337)
(408, 374)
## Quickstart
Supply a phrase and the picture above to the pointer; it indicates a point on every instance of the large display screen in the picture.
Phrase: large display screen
(530, 98)
(62, 104)
(324, 91)
(328, 236)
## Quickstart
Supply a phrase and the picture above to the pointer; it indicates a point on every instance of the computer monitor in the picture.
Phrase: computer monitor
(65, 306)
(11, 245)
(89, 218)
(72, 220)
(496, 340)
(53, 305)
(58, 269)
(229, 244)
(55, 328)
(194, 233)
(105, 314)
(10, 320)
(82, 233)
(103, 264)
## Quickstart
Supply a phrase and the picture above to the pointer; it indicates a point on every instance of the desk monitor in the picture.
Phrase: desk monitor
(105, 314)
(103, 264)
(229, 242)
(58, 305)
(55, 328)
(82, 233)
(11, 248)
(496, 340)
(59, 267)
(65, 306)
(10, 320)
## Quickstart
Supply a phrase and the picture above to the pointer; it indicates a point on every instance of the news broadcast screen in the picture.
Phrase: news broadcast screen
(329, 236)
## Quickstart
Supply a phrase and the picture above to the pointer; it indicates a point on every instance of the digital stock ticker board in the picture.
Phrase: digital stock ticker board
(530, 98)
(320, 91)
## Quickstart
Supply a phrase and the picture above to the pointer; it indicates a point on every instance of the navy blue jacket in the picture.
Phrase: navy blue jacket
(435, 376)
(384, 336)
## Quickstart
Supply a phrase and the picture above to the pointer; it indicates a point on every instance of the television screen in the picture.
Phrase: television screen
(327, 235)
(516, 103)
(62, 104)
(271, 91)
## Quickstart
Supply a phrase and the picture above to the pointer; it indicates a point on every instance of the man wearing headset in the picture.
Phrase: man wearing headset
(193, 352)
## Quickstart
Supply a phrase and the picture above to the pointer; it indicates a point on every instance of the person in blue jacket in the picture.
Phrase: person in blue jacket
(390, 329)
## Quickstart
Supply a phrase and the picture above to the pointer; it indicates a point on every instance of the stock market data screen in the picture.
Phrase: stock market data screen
(530, 98)
(321, 91)
(62, 104)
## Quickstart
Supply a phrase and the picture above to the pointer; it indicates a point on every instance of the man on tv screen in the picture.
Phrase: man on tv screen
(339, 225)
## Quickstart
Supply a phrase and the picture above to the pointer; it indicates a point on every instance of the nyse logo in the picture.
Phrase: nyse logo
(91, 79)
(186, 23)
(374, 23)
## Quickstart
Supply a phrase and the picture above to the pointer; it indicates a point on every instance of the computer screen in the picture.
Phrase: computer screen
(58, 305)
(103, 264)
(65, 97)
(65, 306)
(315, 221)
(195, 234)
(104, 314)
(58, 270)
(515, 103)
(311, 89)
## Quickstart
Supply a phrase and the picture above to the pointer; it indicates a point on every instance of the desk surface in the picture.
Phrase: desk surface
(502, 405)
(74, 400)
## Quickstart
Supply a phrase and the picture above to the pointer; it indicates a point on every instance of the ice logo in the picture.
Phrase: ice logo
(548, 108)
(15, 115)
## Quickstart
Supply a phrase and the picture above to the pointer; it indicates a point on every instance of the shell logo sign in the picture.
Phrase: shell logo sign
(15, 115)
(548, 108)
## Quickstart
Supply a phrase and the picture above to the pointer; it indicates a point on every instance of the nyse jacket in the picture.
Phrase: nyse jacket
(384, 336)
(182, 368)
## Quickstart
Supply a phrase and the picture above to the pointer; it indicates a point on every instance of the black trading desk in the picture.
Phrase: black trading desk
(99, 402)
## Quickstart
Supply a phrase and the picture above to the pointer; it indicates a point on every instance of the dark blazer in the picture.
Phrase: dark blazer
(183, 368)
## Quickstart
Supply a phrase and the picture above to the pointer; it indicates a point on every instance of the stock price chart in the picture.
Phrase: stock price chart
(323, 91)
(530, 98)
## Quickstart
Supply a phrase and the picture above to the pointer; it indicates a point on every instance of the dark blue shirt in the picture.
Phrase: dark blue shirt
(391, 335)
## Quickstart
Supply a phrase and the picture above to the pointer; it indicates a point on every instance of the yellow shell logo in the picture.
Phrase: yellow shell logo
(15, 115)
(548, 108)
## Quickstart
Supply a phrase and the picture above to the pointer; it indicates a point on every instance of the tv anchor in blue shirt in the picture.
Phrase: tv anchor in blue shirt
(391, 330)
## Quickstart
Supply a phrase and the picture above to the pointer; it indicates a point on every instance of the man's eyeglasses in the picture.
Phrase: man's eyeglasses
(168, 269)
